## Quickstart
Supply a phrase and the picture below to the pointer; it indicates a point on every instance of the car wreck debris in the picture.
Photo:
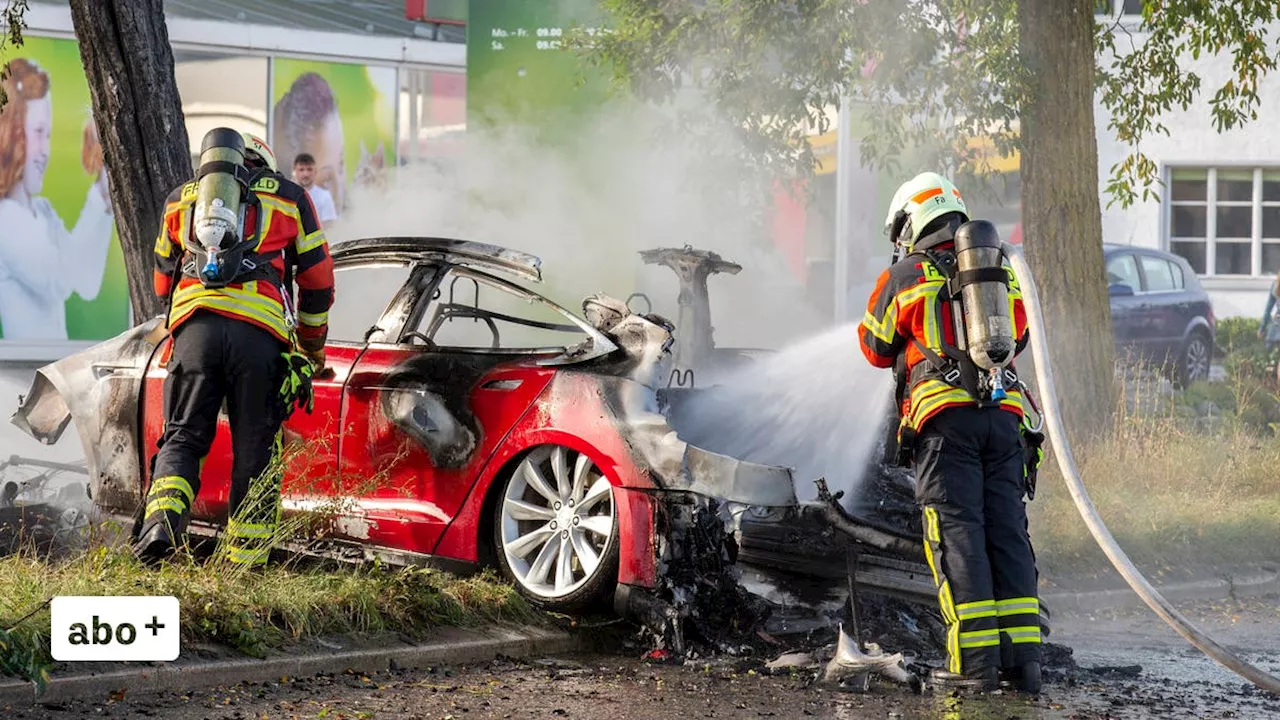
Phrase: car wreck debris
(854, 667)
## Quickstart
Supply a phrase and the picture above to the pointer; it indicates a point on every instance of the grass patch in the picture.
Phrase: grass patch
(250, 611)
(1188, 485)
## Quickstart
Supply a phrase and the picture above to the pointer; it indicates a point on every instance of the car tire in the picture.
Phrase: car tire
(1193, 361)
(549, 530)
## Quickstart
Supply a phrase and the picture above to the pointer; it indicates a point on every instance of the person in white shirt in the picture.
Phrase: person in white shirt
(41, 263)
(304, 173)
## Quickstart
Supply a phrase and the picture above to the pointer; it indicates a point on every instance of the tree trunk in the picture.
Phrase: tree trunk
(1061, 215)
(124, 46)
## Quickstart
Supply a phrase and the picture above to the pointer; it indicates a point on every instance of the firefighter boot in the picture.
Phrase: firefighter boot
(1026, 678)
(979, 680)
(155, 544)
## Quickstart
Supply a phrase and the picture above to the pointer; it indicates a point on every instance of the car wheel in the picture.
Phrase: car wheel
(556, 530)
(1193, 363)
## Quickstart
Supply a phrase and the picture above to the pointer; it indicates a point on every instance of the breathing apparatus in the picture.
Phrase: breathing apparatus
(222, 248)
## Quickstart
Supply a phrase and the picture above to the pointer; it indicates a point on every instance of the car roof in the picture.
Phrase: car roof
(401, 249)
(1108, 248)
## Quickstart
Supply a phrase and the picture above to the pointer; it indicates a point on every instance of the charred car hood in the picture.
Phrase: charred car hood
(637, 369)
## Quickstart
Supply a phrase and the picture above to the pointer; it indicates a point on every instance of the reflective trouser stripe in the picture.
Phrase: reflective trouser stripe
(248, 556)
(1024, 634)
(173, 482)
(975, 610)
(163, 504)
(1014, 614)
(250, 531)
(979, 638)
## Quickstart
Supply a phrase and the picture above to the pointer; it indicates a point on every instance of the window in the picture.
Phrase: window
(1159, 274)
(1225, 221)
(476, 313)
(361, 294)
(1109, 7)
(1123, 270)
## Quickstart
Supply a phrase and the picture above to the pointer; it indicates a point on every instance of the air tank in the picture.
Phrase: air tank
(987, 322)
(218, 195)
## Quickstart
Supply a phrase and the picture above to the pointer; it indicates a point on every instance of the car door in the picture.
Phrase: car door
(424, 411)
(1161, 319)
(317, 431)
(1124, 283)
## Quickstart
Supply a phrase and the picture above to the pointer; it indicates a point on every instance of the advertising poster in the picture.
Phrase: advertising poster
(343, 115)
(517, 70)
(62, 275)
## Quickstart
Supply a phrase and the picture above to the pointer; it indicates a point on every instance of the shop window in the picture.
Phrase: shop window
(221, 90)
(432, 116)
(1225, 221)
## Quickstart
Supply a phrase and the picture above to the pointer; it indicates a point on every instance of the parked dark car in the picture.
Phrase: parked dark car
(1160, 313)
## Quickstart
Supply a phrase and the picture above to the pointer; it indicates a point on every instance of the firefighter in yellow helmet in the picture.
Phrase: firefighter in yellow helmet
(961, 428)
(232, 245)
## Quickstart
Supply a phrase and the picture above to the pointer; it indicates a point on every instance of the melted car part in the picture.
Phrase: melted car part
(99, 389)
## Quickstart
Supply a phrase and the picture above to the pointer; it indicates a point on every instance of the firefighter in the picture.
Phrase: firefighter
(231, 245)
(962, 426)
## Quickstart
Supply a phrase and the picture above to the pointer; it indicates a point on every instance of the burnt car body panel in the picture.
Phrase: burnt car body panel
(413, 436)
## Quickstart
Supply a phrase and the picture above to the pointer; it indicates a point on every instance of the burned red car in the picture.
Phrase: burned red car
(465, 420)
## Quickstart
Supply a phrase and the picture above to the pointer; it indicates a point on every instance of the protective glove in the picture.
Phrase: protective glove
(1033, 454)
(296, 390)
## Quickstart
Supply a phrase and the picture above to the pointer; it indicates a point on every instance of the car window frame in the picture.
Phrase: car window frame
(397, 306)
(1137, 266)
(599, 346)
(1143, 271)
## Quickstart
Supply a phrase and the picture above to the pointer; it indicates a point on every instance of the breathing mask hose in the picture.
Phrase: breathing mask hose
(1070, 473)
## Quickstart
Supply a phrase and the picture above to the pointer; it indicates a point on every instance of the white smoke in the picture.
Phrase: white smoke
(588, 206)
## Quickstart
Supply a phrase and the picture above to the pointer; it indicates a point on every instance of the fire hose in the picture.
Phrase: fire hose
(1071, 474)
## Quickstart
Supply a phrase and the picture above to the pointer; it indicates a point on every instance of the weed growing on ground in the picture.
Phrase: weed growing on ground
(1186, 480)
(254, 610)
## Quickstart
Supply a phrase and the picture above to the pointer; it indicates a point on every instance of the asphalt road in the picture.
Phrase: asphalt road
(1174, 681)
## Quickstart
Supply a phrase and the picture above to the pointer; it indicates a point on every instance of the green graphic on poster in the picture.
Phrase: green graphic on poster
(62, 273)
(342, 114)
(517, 70)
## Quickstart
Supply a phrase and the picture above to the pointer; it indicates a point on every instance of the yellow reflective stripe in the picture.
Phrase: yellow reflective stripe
(313, 319)
(923, 290)
(932, 335)
(883, 330)
(924, 409)
(309, 242)
(953, 648)
(979, 638)
(931, 536)
(249, 530)
(243, 556)
(1025, 634)
(975, 610)
(163, 504)
(173, 482)
(246, 302)
(164, 247)
(1018, 606)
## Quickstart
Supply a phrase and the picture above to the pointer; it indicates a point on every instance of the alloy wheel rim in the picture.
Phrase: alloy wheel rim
(1197, 360)
(557, 521)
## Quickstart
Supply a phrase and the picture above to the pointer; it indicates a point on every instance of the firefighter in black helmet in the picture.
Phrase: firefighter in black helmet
(962, 427)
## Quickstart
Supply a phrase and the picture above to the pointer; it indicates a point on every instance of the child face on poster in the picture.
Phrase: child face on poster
(328, 147)
(307, 120)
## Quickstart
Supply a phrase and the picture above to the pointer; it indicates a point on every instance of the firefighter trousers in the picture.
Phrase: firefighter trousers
(215, 359)
(970, 480)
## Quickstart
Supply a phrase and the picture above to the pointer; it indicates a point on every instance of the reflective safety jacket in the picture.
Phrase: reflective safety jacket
(909, 305)
(291, 236)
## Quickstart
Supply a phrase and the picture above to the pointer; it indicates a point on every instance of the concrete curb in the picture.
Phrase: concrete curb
(450, 646)
(1251, 585)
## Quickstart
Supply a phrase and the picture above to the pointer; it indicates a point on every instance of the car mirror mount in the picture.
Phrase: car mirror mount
(1121, 290)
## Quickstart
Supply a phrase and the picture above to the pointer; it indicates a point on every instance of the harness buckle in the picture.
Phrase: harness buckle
(952, 376)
